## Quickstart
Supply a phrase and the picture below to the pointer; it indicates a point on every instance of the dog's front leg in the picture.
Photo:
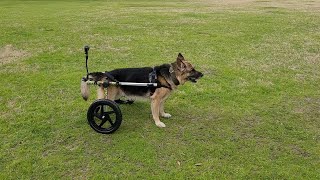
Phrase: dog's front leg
(157, 100)
(162, 113)
(155, 108)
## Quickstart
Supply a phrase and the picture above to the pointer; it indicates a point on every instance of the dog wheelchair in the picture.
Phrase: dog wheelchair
(104, 115)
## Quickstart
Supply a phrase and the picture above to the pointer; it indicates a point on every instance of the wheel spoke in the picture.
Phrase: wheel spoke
(108, 117)
(99, 116)
(102, 109)
(104, 119)
(110, 121)
(96, 111)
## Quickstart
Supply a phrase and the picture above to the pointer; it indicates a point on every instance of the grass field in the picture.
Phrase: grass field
(254, 115)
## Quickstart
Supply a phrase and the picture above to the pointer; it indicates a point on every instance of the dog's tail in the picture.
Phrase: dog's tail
(84, 88)
(95, 76)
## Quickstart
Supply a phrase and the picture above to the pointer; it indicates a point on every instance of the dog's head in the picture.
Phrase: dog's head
(185, 71)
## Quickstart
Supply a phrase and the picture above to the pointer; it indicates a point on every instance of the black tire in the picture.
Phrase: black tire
(104, 116)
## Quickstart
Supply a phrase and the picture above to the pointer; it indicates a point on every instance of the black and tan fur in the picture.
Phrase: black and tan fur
(169, 76)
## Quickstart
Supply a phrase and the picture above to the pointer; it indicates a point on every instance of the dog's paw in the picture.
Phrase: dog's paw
(161, 124)
(166, 115)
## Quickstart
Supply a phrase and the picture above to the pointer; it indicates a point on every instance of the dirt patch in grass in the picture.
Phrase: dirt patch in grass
(307, 106)
(300, 151)
(10, 54)
(304, 5)
(13, 106)
(313, 59)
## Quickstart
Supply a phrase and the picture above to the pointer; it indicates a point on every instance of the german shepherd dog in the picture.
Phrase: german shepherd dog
(168, 77)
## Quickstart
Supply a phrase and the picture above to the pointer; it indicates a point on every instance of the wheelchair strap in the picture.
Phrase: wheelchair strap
(153, 76)
(109, 76)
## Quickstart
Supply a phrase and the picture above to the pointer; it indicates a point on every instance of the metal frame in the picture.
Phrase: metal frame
(106, 83)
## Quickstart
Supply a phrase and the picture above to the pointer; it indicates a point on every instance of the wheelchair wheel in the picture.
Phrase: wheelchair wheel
(104, 116)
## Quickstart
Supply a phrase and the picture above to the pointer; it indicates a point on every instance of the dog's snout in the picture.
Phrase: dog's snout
(199, 74)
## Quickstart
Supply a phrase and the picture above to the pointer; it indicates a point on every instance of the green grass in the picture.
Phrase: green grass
(255, 114)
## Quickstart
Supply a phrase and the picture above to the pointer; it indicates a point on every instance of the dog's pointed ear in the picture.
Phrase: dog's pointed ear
(180, 63)
(180, 57)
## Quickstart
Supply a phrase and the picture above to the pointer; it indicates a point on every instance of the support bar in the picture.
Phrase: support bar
(123, 83)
